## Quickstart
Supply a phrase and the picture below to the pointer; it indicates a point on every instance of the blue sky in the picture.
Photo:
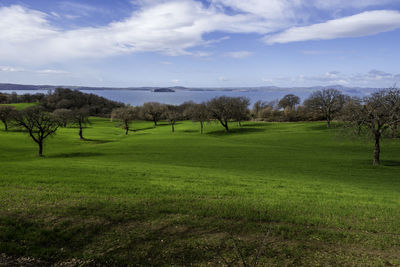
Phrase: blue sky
(209, 43)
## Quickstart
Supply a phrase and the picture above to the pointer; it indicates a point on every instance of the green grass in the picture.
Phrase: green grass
(157, 198)
(20, 106)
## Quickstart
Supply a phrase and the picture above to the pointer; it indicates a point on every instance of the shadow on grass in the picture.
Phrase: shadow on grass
(97, 141)
(28, 237)
(242, 130)
(142, 129)
(77, 155)
(322, 127)
(191, 131)
(260, 124)
(159, 124)
(390, 163)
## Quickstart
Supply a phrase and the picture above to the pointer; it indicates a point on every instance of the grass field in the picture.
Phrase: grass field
(157, 198)
(20, 106)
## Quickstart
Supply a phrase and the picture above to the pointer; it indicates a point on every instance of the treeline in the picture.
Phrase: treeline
(377, 115)
(14, 98)
(64, 98)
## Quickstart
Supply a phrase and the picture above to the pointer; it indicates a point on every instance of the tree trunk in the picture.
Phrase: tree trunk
(5, 126)
(201, 127)
(329, 123)
(155, 123)
(126, 128)
(40, 153)
(226, 126)
(172, 127)
(80, 131)
(394, 130)
(377, 150)
(239, 124)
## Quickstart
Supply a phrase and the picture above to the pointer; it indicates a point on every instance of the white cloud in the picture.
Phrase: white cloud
(171, 28)
(238, 54)
(329, 4)
(10, 69)
(363, 24)
(50, 71)
(373, 78)
(176, 27)
(40, 71)
(18, 24)
(175, 81)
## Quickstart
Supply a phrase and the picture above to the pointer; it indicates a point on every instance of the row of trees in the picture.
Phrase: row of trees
(377, 115)
(24, 98)
(223, 109)
(320, 105)
(64, 98)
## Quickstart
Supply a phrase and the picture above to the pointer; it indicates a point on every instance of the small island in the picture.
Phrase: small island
(163, 90)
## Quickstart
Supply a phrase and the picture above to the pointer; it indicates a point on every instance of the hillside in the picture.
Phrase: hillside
(157, 198)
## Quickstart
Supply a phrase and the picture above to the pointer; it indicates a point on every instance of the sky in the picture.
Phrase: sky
(208, 43)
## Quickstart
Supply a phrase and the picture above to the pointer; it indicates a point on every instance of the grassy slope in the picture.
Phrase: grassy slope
(156, 198)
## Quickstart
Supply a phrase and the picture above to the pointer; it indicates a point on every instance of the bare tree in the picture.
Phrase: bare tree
(221, 109)
(198, 112)
(39, 124)
(289, 101)
(64, 115)
(375, 115)
(153, 111)
(241, 109)
(7, 113)
(352, 114)
(126, 115)
(173, 114)
(80, 117)
(225, 108)
(329, 102)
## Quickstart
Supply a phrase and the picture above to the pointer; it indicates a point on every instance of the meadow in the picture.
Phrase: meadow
(297, 194)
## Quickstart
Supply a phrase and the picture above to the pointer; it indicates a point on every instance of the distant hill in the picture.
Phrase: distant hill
(346, 90)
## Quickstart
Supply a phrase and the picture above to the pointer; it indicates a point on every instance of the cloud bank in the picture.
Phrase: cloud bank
(363, 24)
(179, 27)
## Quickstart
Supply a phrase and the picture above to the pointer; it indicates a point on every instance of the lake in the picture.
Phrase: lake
(136, 97)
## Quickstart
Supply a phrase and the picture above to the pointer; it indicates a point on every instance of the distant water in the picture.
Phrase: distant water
(136, 97)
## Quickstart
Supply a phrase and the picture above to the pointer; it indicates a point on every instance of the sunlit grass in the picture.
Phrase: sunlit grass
(156, 197)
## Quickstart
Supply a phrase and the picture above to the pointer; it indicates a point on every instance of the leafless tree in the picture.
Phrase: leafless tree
(241, 109)
(7, 113)
(352, 115)
(376, 115)
(39, 124)
(173, 114)
(198, 112)
(64, 115)
(225, 108)
(222, 109)
(126, 115)
(153, 111)
(80, 117)
(329, 102)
